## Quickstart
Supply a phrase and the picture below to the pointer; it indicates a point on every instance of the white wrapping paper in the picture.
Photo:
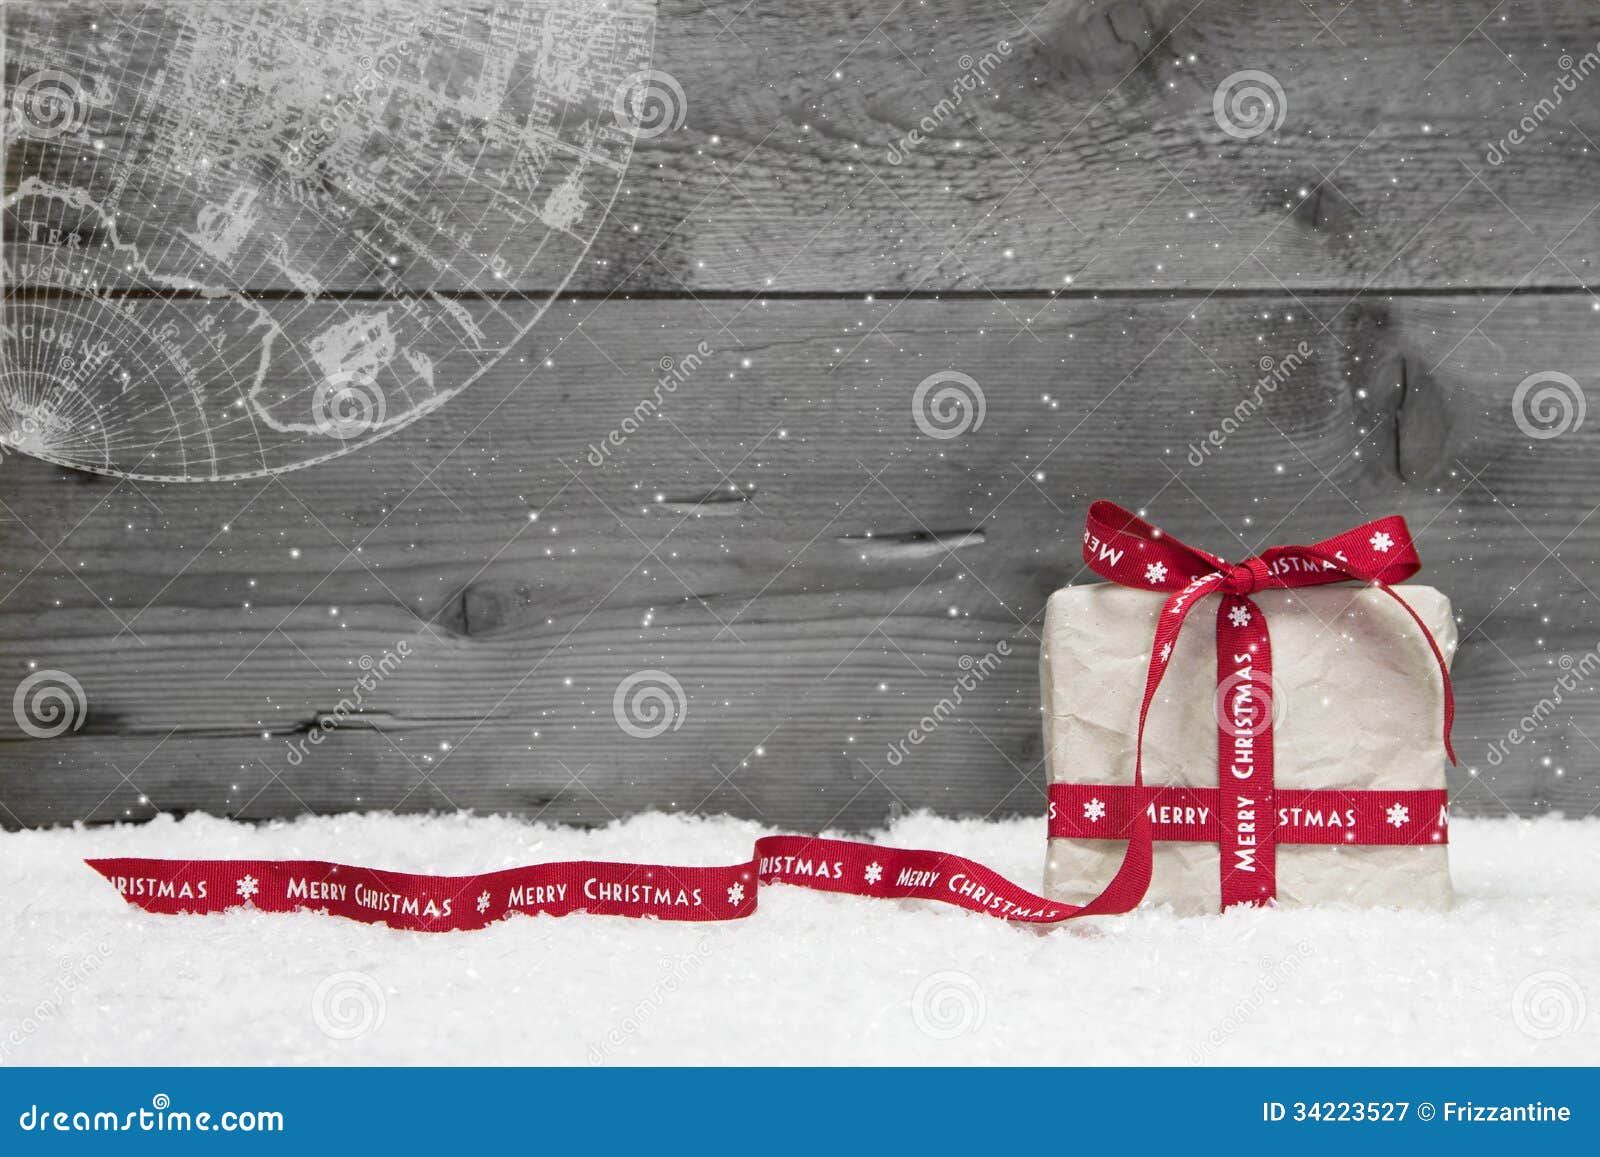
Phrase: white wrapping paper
(1359, 705)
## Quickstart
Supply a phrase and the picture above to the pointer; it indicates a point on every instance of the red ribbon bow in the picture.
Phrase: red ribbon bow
(1127, 550)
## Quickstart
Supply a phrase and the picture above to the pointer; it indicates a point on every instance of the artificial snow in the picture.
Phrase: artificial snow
(1506, 977)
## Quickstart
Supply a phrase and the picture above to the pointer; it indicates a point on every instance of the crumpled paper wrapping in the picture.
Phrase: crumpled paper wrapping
(1360, 706)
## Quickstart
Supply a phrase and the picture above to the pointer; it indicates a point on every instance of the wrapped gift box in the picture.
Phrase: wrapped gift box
(1356, 708)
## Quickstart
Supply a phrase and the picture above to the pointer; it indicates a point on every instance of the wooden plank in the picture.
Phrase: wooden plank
(1079, 144)
(781, 537)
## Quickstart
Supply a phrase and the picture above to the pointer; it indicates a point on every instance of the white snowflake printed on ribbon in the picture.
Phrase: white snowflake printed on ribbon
(1381, 542)
(1094, 810)
(1166, 651)
(483, 902)
(1156, 572)
(1239, 617)
(1398, 814)
(247, 887)
(874, 873)
(736, 895)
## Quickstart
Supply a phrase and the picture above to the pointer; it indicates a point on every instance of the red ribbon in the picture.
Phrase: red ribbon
(654, 891)
(1244, 814)
(1098, 811)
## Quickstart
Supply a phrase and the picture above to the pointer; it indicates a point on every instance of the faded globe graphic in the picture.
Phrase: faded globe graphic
(245, 237)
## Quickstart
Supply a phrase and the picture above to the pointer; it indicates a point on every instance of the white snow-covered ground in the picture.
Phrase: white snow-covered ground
(1510, 976)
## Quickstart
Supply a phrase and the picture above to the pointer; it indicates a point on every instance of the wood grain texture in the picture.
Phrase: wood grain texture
(779, 536)
(1076, 143)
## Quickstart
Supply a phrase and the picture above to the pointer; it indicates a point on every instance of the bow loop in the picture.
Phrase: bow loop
(1125, 549)
(1122, 547)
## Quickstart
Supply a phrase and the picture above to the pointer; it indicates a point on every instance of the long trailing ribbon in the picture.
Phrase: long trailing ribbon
(1245, 815)
(458, 903)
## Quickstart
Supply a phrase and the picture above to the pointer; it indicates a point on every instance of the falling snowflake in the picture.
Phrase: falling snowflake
(736, 895)
(1381, 542)
(247, 887)
(1166, 652)
(1398, 814)
(483, 902)
(874, 873)
(1239, 617)
(1156, 572)
(1094, 810)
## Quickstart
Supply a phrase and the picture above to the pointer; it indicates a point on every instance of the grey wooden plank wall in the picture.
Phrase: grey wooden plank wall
(813, 570)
